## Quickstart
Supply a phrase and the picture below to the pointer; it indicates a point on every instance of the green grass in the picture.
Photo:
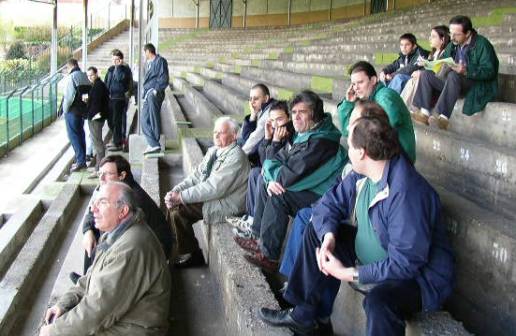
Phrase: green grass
(321, 84)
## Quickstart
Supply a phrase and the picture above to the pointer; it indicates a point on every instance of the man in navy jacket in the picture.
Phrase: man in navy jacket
(154, 84)
(396, 249)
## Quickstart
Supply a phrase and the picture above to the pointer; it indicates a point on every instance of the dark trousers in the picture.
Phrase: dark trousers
(449, 91)
(75, 130)
(117, 109)
(387, 305)
(252, 189)
(271, 217)
(181, 218)
(151, 117)
(88, 261)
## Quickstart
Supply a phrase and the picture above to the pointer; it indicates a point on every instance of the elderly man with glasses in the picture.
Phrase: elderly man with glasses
(127, 289)
(115, 168)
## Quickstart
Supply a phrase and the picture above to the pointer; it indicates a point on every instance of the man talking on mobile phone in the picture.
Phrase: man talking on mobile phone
(365, 85)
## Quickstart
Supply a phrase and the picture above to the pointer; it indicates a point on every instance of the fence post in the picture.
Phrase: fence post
(20, 102)
(32, 104)
(7, 119)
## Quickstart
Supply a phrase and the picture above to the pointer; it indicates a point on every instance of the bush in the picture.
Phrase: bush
(43, 62)
(16, 50)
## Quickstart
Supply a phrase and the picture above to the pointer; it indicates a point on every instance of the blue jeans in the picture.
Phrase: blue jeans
(398, 82)
(151, 117)
(295, 239)
(252, 190)
(387, 305)
(75, 130)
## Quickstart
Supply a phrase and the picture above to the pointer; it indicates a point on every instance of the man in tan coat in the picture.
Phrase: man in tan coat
(127, 289)
(215, 190)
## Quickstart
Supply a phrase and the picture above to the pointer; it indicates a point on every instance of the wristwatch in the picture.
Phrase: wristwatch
(355, 275)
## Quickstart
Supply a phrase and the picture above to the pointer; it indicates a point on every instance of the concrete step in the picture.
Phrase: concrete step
(229, 101)
(204, 112)
(37, 252)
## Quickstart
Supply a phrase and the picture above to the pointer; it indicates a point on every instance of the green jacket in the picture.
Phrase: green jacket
(482, 69)
(125, 292)
(313, 162)
(399, 117)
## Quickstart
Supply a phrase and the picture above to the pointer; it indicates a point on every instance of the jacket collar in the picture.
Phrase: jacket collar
(383, 185)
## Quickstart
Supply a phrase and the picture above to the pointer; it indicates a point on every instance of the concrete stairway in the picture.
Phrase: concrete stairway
(470, 165)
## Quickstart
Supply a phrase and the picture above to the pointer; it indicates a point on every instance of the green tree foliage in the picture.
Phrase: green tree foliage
(16, 50)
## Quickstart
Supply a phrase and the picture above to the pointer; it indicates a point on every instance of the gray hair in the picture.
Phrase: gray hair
(126, 196)
(232, 123)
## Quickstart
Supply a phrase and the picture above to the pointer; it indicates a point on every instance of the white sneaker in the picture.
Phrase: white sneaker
(246, 234)
(150, 150)
(242, 223)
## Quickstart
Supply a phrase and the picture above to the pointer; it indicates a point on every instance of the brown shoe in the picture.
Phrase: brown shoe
(248, 244)
(420, 117)
(443, 123)
(258, 259)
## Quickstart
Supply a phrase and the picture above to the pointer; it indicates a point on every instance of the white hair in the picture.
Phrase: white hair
(232, 123)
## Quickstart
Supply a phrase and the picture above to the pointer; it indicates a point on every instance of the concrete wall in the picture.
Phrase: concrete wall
(182, 13)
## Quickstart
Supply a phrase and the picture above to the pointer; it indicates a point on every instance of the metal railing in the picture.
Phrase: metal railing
(26, 111)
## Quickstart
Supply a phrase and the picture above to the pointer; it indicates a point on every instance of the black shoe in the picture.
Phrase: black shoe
(282, 318)
(74, 277)
(196, 259)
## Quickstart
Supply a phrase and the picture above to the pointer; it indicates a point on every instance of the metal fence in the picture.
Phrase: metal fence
(26, 111)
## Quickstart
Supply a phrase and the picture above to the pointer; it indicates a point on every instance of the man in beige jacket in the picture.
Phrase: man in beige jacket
(127, 289)
(215, 190)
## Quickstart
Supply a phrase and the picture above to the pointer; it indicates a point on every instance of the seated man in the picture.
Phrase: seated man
(396, 249)
(475, 75)
(294, 177)
(279, 132)
(127, 289)
(365, 85)
(115, 168)
(254, 124)
(215, 190)
(398, 72)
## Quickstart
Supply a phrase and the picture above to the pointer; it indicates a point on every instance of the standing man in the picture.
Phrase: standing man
(127, 289)
(98, 112)
(74, 108)
(475, 75)
(154, 84)
(119, 81)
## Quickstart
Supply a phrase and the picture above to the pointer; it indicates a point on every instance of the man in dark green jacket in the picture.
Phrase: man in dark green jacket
(365, 85)
(295, 176)
(475, 75)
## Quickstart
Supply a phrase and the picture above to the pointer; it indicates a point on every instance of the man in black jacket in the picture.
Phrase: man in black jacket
(398, 72)
(98, 101)
(119, 81)
(117, 168)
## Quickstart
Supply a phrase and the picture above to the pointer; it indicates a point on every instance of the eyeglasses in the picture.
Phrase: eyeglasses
(102, 173)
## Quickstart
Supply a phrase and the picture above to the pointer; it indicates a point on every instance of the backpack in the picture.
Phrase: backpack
(79, 106)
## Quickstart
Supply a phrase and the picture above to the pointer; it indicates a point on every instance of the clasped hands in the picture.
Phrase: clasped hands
(328, 263)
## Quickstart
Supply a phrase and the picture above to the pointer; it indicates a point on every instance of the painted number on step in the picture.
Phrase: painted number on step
(464, 154)
(500, 253)
(501, 166)
(437, 145)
